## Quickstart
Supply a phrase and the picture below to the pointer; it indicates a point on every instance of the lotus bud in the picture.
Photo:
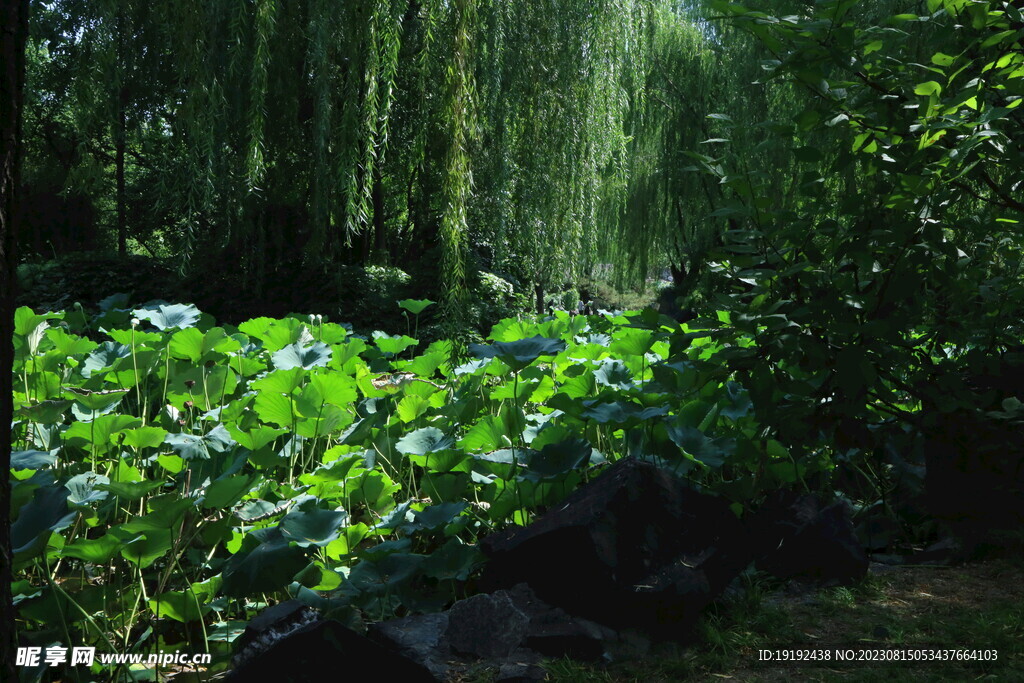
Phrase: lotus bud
(190, 383)
(312, 318)
(135, 322)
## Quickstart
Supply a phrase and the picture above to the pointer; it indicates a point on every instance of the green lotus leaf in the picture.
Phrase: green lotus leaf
(95, 401)
(93, 550)
(32, 460)
(183, 606)
(256, 438)
(168, 316)
(632, 342)
(144, 437)
(520, 353)
(101, 433)
(392, 345)
(437, 516)
(82, 488)
(69, 344)
(614, 374)
(104, 356)
(453, 561)
(226, 491)
(297, 356)
(130, 490)
(146, 547)
(415, 306)
(45, 513)
(423, 441)
(555, 459)
(697, 444)
(45, 412)
(266, 562)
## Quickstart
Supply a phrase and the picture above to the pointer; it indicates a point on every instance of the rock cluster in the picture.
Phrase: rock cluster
(635, 551)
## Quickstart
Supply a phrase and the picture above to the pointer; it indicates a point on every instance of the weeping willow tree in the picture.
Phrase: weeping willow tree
(443, 135)
(556, 80)
(711, 153)
(703, 88)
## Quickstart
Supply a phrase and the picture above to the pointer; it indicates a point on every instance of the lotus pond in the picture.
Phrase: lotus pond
(173, 476)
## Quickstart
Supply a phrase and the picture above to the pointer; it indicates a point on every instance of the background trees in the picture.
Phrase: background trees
(843, 172)
(260, 141)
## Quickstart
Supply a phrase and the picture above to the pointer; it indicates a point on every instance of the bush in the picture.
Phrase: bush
(494, 298)
(606, 296)
(90, 277)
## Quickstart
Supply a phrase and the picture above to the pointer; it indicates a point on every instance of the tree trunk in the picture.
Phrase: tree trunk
(122, 202)
(538, 290)
(377, 195)
(119, 143)
(14, 23)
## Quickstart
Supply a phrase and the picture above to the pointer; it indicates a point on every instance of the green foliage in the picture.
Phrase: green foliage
(891, 264)
(246, 143)
(197, 469)
(89, 278)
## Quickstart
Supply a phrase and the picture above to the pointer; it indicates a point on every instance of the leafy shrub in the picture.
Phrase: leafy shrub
(606, 296)
(90, 277)
(493, 299)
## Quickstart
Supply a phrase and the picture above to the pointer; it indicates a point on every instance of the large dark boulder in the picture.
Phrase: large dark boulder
(486, 625)
(554, 633)
(800, 537)
(290, 643)
(974, 476)
(973, 428)
(420, 637)
(508, 632)
(635, 547)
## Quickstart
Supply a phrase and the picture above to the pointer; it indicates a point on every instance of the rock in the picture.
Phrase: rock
(556, 634)
(522, 667)
(800, 538)
(322, 650)
(420, 637)
(973, 479)
(269, 626)
(486, 626)
(973, 449)
(507, 632)
(635, 547)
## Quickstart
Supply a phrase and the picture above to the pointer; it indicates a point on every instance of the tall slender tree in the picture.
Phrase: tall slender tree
(13, 33)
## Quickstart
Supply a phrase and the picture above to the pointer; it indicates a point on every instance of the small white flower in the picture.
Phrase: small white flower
(135, 322)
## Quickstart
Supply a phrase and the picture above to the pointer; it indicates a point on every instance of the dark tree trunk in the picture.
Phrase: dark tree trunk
(120, 134)
(377, 196)
(14, 23)
(364, 252)
(538, 290)
(122, 208)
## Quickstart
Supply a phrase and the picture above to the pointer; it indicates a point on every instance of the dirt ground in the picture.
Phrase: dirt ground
(974, 607)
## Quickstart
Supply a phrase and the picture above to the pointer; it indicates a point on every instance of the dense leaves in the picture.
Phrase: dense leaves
(220, 464)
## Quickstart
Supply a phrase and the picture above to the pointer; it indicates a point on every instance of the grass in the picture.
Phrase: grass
(978, 606)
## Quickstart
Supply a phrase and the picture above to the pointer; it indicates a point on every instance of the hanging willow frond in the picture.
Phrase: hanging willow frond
(458, 179)
(263, 33)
